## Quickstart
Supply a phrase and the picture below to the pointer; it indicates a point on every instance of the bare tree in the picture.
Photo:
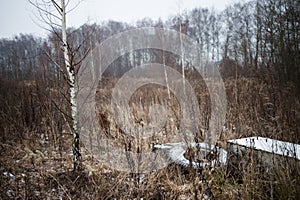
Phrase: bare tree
(53, 14)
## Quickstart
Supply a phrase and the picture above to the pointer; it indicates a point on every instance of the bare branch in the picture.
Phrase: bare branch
(58, 8)
(60, 110)
(41, 9)
(58, 67)
(82, 58)
(74, 7)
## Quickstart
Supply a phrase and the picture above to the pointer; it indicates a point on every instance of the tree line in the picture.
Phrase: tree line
(242, 38)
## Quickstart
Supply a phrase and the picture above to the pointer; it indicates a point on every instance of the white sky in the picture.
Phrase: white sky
(16, 16)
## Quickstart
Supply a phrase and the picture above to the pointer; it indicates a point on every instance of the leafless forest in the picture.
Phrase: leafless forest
(256, 46)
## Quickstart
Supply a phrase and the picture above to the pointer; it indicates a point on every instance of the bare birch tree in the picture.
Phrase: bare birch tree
(164, 63)
(53, 14)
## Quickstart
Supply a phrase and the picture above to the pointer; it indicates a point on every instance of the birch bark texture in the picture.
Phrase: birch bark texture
(53, 14)
(72, 81)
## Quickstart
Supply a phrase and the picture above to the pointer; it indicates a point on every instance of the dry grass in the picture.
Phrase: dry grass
(36, 158)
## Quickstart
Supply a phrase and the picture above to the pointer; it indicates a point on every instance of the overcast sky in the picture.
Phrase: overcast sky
(16, 16)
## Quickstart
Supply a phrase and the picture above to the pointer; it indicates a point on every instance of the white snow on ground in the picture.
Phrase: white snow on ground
(270, 145)
(175, 152)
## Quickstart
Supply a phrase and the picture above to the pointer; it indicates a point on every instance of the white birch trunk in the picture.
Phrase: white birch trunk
(164, 63)
(71, 81)
(182, 55)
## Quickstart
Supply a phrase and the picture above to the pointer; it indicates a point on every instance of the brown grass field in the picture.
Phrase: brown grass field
(36, 157)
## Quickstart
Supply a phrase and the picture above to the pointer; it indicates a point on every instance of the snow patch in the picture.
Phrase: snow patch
(270, 145)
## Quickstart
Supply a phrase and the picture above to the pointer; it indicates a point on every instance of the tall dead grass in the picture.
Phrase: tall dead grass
(36, 151)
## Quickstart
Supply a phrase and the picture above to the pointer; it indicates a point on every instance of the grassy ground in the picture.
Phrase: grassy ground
(36, 158)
